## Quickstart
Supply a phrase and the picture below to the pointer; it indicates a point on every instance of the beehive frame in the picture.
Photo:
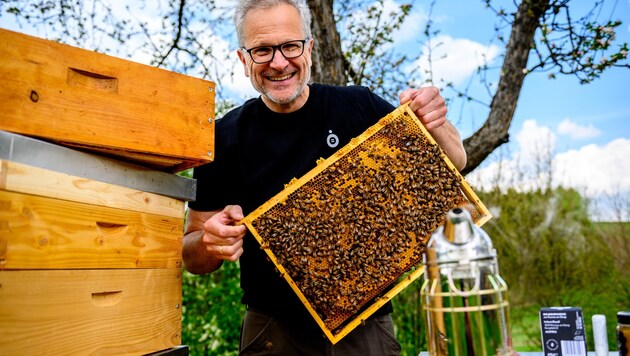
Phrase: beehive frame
(384, 192)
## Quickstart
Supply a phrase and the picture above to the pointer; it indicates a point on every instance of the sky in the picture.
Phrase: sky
(581, 131)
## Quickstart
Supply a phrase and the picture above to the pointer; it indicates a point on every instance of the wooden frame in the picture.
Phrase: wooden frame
(482, 215)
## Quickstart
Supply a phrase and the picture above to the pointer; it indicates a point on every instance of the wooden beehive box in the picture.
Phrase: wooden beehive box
(87, 266)
(350, 234)
(75, 97)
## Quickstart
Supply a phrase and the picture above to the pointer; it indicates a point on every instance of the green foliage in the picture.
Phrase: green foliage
(187, 173)
(409, 319)
(212, 311)
(545, 238)
(551, 254)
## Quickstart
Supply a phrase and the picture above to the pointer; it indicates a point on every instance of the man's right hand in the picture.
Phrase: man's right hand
(212, 237)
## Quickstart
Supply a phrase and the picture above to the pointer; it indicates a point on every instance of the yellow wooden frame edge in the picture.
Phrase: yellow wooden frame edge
(296, 183)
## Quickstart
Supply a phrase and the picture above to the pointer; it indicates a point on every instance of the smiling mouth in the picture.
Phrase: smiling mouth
(280, 77)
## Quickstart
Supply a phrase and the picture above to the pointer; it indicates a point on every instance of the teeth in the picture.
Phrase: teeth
(284, 77)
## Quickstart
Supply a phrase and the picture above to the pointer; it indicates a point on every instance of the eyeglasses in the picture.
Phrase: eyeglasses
(264, 54)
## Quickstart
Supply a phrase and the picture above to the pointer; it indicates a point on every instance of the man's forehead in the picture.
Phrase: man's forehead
(273, 25)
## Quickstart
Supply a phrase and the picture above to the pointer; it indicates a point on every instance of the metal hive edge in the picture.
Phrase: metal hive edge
(42, 154)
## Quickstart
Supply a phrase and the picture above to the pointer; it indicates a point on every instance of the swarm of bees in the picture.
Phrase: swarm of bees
(353, 229)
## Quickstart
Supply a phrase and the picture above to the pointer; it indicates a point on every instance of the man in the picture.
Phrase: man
(262, 145)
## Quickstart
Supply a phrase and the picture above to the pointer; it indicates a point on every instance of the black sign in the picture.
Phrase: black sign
(563, 332)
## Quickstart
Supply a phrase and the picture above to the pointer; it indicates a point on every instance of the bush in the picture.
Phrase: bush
(552, 254)
(212, 311)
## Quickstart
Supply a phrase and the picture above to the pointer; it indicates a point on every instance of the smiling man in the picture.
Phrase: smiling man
(262, 145)
(281, 79)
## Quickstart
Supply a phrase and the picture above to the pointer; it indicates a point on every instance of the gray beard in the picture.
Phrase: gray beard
(298, 91)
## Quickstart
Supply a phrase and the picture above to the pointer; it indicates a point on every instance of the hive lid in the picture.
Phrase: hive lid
(33, 152)
(349, 235)
(105, 105)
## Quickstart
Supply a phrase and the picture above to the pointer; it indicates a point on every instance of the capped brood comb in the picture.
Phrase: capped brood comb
(349, 235)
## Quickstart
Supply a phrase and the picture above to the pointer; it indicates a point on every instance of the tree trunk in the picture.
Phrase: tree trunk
(494, 131)
(328, 59)
(328, 67)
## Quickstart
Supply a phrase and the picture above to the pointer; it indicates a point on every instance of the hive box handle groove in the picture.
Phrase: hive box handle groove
(89, 80)
(111, 229)
(106, 299)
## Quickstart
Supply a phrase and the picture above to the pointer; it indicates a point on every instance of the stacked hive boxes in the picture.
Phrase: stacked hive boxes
(90, 246)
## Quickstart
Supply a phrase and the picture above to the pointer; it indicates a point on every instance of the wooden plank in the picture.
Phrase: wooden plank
(45, 233)
(103, 312)
(20, 178)
(90, 100)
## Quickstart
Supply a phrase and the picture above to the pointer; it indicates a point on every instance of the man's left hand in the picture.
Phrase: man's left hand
(428, 105)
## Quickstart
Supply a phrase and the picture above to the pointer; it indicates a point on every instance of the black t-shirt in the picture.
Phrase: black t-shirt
(258, 151)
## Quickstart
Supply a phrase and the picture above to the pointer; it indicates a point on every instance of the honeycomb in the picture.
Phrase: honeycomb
(346, 232)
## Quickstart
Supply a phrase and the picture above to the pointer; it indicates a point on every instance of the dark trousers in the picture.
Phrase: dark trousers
(262, 334)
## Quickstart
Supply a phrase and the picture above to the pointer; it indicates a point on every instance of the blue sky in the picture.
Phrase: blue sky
(603, 104)
(585, 129)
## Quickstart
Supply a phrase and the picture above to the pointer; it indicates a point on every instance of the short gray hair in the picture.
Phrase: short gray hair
(244, 6)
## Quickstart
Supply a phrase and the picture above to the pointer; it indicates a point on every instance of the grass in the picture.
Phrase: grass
(607, 298)
(525, 327)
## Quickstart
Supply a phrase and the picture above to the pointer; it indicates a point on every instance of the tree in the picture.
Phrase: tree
(328, 59)
(186, 42)
(570, 52)
(572, 49)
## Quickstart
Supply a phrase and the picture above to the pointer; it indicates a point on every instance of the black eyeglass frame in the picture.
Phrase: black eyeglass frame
(275, 49)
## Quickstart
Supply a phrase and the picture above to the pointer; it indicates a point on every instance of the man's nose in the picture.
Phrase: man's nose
(278, 61)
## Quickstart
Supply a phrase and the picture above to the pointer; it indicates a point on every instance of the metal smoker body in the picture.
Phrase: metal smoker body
(465, 298)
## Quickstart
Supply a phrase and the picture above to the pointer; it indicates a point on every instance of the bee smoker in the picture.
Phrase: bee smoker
(465, 298)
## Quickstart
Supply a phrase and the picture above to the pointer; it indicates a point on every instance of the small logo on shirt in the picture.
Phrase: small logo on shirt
(332, 140)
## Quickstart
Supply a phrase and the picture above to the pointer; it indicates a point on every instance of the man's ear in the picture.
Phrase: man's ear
(309, 51)
(241, 56)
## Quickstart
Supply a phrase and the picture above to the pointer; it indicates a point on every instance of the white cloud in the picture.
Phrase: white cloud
(412, 25)
(455, 59)
(577, 131)
(535, 142)
(525, 169)
(598, 172)
(596, 169)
